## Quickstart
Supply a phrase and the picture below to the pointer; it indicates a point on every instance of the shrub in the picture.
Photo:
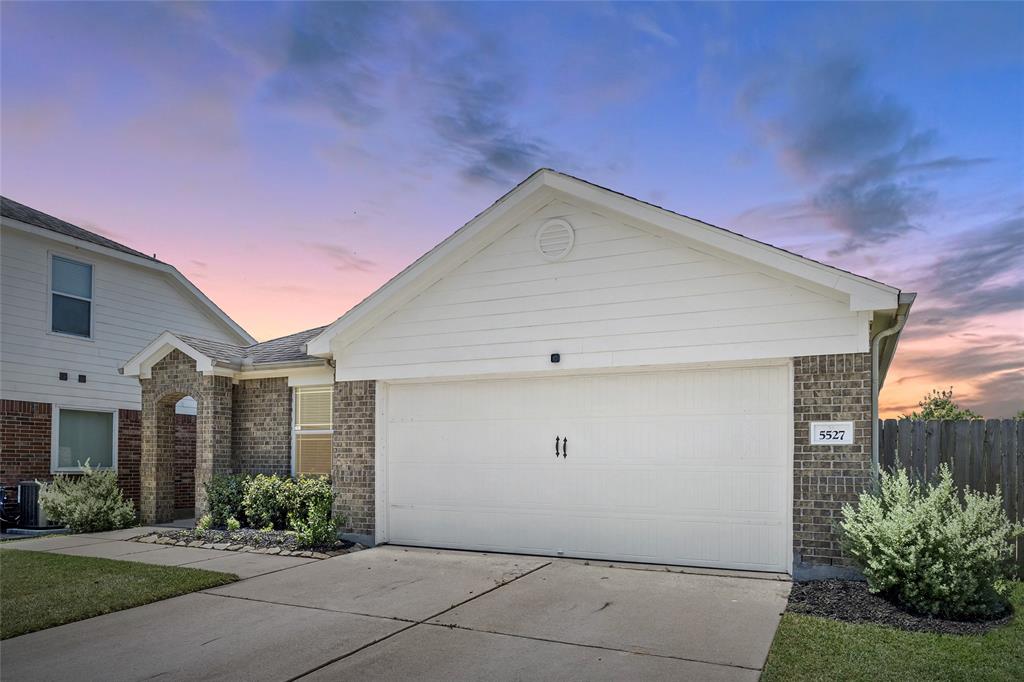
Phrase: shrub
(89, 502)
(233, 524)
(922, 547)
(205, 522)
(267, 501)
(224, 495)
(310, 516)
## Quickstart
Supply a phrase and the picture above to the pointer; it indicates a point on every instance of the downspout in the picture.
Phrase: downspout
(876, 345)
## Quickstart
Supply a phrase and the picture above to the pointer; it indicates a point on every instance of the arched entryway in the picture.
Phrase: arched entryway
(172, 378)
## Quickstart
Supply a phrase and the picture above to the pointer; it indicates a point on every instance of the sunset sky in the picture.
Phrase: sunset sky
(290, 158)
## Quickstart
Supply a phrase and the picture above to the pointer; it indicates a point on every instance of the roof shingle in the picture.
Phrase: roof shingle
(26, 214)
(284, 349)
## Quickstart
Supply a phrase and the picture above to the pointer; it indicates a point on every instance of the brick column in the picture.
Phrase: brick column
(213, 434)
(825, 477)
(353, 450)
(156, 468)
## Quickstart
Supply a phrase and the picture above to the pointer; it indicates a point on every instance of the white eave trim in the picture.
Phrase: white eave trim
(165, 268)
(141, 364)
(863, 294)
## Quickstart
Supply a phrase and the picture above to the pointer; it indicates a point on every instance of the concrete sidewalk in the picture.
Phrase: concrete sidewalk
(400, 613)
(116, 544)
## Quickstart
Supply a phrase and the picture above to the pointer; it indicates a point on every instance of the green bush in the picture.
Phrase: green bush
(205, 522)
(310, 516)
(922, 547)
(89, 502)
(224, 495)
(233, 524)
(268, 500)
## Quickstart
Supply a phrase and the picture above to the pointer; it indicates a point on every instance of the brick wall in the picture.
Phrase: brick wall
(261, 438)
(828, 388)
(25, 452)
(24, 443)
(129, 455)
(129, 452)
(353, 451)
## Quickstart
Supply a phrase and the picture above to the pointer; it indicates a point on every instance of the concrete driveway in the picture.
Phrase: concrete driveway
(400, 613)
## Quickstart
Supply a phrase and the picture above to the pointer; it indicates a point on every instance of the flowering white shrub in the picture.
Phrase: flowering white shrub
(923, 547)
(89, 502)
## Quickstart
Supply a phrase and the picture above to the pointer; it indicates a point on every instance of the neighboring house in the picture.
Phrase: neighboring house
(574, 372)
(74, 306)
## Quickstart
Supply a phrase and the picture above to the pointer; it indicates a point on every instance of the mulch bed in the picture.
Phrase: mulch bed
(277, 542)
(850, 601)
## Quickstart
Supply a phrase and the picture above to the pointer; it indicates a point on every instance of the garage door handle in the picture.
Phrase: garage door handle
(557, 453)
(565, 448)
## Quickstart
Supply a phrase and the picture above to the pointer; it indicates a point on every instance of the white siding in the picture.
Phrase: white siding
(621, 298)
(132, 305)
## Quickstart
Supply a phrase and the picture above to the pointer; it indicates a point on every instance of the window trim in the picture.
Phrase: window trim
(50, 255)
(55, 467)
(311, 432)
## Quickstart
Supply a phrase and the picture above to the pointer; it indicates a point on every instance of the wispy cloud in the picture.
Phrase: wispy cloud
(342, 257)
(868, 163)
(979, 272)
(474, 118)
(330, 58)
(647, 25)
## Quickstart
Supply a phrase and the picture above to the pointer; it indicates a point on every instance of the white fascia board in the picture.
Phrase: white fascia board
(864, 293)
(454, 250)
(141, 364)
(159, 266)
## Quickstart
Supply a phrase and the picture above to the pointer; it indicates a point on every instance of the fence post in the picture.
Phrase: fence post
(962, 454)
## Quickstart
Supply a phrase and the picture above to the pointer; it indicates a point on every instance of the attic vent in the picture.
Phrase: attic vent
(555, 239)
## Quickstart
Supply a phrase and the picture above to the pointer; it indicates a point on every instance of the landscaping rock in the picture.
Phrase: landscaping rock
(850, 601)
(280, 543)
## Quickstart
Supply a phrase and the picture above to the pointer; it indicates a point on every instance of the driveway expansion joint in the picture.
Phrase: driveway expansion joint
(454, 626)
(417, 623)
(211, 593)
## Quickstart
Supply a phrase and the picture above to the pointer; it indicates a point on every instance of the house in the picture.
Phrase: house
(74, 307)
(572, 373)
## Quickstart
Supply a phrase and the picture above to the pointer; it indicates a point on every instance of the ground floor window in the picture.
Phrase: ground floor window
(311, 430)
(84, 435)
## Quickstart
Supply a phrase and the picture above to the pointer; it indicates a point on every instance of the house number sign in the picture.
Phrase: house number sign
(831, 433)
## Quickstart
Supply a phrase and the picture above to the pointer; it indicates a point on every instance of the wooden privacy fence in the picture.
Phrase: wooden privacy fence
(982, 454)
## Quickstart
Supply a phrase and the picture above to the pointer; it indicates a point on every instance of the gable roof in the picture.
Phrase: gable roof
(209, 354)
(545, 185)
(26, 214)
(26, 218)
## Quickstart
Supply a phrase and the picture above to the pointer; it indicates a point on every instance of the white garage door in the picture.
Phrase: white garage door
(686, 467)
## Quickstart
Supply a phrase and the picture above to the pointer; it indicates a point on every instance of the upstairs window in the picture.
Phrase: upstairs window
(70, 297)
(311, 432)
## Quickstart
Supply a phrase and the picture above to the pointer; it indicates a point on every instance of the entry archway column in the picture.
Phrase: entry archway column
(213, 435)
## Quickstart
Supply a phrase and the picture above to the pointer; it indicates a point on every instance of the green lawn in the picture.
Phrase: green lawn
(39, 590)
(811, 648)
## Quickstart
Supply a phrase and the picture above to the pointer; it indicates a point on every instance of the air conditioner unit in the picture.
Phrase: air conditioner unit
(29, 509)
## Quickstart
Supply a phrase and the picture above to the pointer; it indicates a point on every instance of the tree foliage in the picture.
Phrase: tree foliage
(940, 405)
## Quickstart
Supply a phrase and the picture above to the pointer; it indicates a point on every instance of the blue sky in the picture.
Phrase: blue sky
(290, 158)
